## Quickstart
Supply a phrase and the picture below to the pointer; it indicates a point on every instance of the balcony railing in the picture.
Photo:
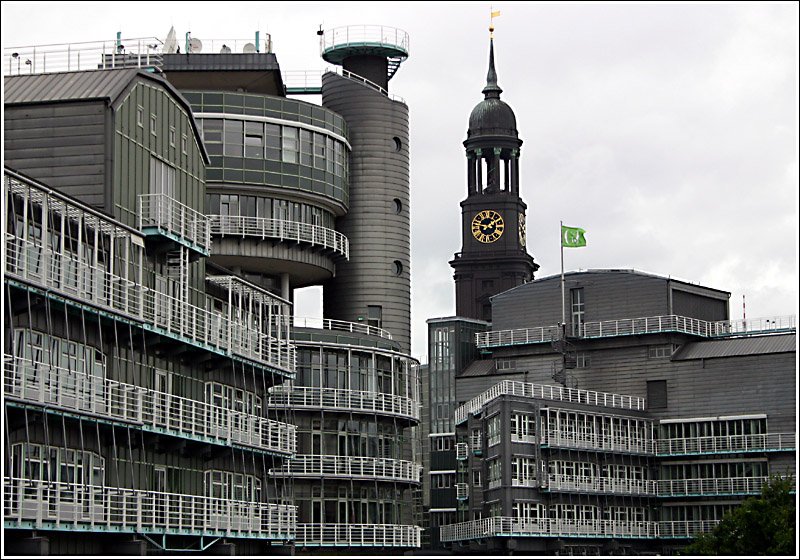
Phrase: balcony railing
(158, 311)
(357, 535)
(283, 230)
(55, 386)
(168, 216)
(371, 468)
(712, 486)
(343, 399)
(359, 35)
(703, 445)
(462, 451)
(462, 491)
(549, 392)
(597, 485)
(516, 527)
(42, 504)
(346, 326)
(95, 55)
(685, 529)
(617, 444)
(638, 326)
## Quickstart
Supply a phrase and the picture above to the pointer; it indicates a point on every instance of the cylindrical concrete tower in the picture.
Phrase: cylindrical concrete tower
(374, 286)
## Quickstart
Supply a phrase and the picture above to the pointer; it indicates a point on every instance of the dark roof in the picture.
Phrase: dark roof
(106, 85)
(478, 368)
(492, 116)
(737, 346)
(67, 86)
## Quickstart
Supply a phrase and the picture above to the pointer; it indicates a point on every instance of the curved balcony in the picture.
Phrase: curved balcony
(357, 535)
(378, 40)
(151, 410)
(596, 485)
(35, 504)
(280, 230)
(517, 527)
(345, 400)
(336, 466)
(710, 445)
(346, 326)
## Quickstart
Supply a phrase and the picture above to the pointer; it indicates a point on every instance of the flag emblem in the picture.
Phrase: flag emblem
(572, 237)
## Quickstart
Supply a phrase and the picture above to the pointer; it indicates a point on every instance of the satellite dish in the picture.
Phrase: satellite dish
(225, 50)
(171, 43)
(195, 45)
(249, 48)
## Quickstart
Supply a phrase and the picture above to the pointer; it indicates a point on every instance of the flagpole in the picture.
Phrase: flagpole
(563, 298)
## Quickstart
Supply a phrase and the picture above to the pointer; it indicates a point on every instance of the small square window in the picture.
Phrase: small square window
(184, 143)
(140, 116)
(172, 136)
(153, 125)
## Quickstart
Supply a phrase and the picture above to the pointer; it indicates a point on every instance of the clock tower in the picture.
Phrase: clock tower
(493, 256)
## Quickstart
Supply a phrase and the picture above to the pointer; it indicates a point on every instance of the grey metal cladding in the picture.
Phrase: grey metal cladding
(745, 346)
(66, 86)
(378, 235)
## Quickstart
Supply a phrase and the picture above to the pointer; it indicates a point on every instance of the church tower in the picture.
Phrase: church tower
(493, 255)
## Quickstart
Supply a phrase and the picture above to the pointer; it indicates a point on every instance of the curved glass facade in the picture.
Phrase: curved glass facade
(272, 141)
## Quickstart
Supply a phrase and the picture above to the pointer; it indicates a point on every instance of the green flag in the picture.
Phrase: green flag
(572, 237)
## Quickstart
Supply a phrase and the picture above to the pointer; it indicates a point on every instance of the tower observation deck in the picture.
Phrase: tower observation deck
(374, 52)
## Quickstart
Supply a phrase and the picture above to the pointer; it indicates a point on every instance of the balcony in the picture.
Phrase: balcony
(596, 485)
(516, 527)
(349, 535)
(344, 326)
(462, 491)
(462, 451)
(345, 400)
(153, 411)
(280, 230)
(35, 504)
(708, 445)
(162, 215)
(685, 529)
(741, 486)
(567, 440)
(156, 311)
(548, 392)
(341, 42)
(638, 326)
(351, 468)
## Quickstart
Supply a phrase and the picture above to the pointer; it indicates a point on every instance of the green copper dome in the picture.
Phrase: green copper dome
(492, 116)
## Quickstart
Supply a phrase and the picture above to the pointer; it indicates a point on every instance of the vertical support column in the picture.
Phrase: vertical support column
(479, 169)
(285, 291)
(471, 186)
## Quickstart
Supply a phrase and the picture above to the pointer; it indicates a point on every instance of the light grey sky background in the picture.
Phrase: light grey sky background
(668, 131)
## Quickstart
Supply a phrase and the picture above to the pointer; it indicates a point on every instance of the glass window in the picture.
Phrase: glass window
(233, 138)
(254, 140)
(289, 144)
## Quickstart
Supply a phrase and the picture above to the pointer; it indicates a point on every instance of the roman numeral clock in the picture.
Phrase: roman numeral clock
(487, 226)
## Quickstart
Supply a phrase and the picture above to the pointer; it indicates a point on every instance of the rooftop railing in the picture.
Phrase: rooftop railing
(283, 230)
(343, 399)
(549, 392)
(145, 52)
(350, 535)
(359, 35)
(371, 468)
(517, 527)
(638, 326)
(346, 326)
(165, 214)
(751, 443)
(36, 504)
(50, 385)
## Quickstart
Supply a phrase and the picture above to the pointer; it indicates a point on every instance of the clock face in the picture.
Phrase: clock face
(487, 226)
(522, 237)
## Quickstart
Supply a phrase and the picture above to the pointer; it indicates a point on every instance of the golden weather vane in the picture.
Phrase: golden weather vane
(494, 14)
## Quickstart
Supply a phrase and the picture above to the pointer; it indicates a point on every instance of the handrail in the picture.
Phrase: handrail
(99, 287)
(700, 445)
(547, 527)
(355, 534)
(601, 485)
(712, 486)
(637, 326)
(52, 385)
(550, 392)
(167, 214)
(135, 510)
(599, 442)
(252, 226)
(374, 468)
(343, 399)
(336, 325)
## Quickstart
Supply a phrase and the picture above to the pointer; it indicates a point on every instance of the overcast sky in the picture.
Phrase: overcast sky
(668, 131)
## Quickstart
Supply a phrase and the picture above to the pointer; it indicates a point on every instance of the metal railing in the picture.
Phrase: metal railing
(274, 228)
(357, 35)
(228, 46)
(372, 468)
(638, 326)
(702, 445)
(550, 392)
(310, 81)
(598, 442)
(335, 325)
(462, 451)
(712, 486)
(462, 491)
(100, 288)
(597, 485)
(354, 534)
(518, 527)
(144, 52)
(51, 385)
(685, 529)
(35, 503)
(168, 215)
(343, 399)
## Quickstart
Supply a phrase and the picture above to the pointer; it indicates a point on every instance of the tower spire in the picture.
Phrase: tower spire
(491, 89)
